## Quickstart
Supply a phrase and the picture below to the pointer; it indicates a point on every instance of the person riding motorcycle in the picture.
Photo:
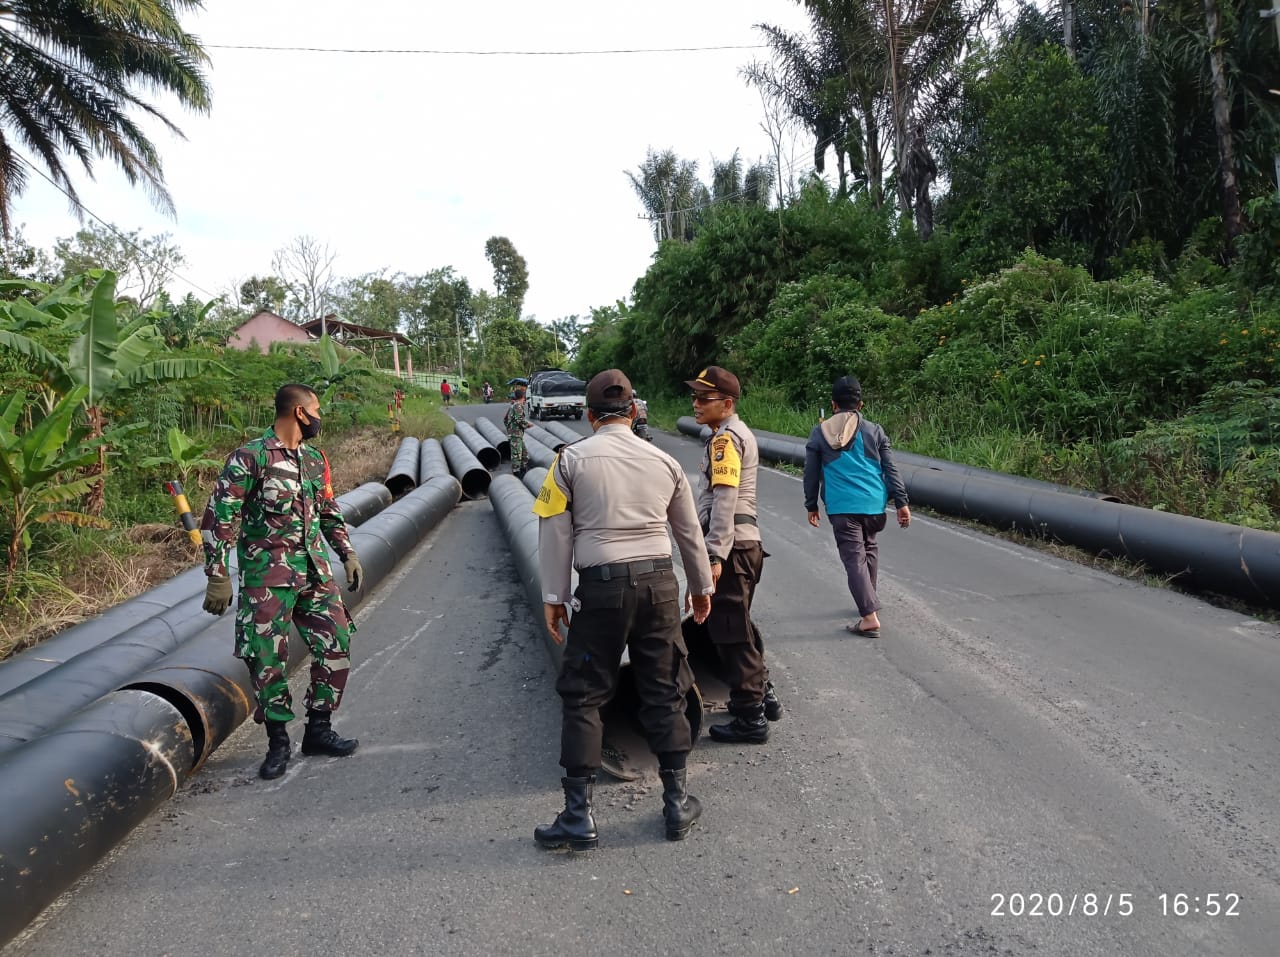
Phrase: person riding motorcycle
(488, 393)
(641, 424)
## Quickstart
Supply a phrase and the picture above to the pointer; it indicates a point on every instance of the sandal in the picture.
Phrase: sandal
(857, 629)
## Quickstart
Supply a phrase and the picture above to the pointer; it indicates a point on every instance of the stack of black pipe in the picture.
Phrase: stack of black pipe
(71, 793)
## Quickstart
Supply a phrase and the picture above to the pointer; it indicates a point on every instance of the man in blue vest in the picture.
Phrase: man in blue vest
(848, 460)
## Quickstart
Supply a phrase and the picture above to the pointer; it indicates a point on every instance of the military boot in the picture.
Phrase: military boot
(747, 727)
(574, 825)
(679, 808)
(278, 750)
(772, 706)
(320, 738)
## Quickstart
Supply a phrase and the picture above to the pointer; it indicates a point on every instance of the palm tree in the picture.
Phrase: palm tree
(70, 71)
(671, 194)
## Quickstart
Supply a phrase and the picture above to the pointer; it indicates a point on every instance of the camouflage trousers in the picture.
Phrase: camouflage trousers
(262, 640)
(519, 454)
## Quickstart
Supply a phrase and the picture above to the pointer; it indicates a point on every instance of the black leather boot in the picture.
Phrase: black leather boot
(278, 749)
(748, 727)
(772, 706)
(320, 738)
(574, 825)
(679, 808)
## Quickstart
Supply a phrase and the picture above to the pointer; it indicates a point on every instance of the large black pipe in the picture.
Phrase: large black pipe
(779, 448)
(31, 709)
(540, 454)
(74, 794)
(79, 788)
(563, 432)
(115, 644)
(1213, 556)
(466, 468)
(542, 436)
(534, 478)
(403, 475)
(211, 688)
(496, 435)
(485, 453)
(363, 502)
(512, 503)
(431, 460)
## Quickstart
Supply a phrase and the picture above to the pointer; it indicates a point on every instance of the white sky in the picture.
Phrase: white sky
(411, 162)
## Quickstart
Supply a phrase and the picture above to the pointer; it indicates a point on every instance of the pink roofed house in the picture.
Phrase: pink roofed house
(264, 327)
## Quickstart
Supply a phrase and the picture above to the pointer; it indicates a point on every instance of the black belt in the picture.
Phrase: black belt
(604, 573)
(739, 519)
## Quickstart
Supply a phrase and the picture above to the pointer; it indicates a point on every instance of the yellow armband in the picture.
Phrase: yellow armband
(551, 500)
(726, 464)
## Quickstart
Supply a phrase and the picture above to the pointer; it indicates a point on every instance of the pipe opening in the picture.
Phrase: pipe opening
(475, 483)
(625, 752)
(186, 707)
(400, 484)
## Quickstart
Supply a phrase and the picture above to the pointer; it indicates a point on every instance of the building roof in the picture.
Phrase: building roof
(351, 330)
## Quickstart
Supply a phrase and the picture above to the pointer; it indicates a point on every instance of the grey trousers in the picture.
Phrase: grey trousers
(856, 542)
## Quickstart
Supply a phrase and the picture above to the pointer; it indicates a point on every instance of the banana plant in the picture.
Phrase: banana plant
(33, 465)
(110, 357)
(185, 456)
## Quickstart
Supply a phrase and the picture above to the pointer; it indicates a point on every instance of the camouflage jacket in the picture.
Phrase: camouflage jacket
(285, 504)
(517, 419)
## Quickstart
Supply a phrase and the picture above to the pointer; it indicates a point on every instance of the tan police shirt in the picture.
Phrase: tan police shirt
(727, 487)
(609, 498)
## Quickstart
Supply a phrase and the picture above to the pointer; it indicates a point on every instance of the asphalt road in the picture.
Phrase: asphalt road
(1028, 735)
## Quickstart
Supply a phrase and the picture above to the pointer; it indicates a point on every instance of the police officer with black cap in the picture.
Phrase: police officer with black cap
(604, 509)
(727, 512)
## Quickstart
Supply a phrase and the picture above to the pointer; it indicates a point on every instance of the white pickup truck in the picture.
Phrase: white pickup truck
(555, 393)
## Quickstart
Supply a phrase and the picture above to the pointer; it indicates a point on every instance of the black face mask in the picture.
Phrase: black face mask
(311, 427)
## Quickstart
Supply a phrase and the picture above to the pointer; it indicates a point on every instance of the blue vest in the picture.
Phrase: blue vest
(852, 483)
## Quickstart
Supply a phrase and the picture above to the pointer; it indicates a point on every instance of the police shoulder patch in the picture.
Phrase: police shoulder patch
(726, 464)
(551, 500)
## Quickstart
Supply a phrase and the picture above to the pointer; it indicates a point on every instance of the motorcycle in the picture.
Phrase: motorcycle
(641, 428)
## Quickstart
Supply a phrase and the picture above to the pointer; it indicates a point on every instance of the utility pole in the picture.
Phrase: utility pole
(457, 327)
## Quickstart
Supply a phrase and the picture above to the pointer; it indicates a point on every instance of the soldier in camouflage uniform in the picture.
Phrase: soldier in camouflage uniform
(279, 488)
(517, 420)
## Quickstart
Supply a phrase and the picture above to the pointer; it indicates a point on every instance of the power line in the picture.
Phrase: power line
(425, 52)
(119, 235)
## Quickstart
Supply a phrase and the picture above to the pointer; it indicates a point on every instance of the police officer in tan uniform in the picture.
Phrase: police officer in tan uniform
(604, 509)
(727, 512)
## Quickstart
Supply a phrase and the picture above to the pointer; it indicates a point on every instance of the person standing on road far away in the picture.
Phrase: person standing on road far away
(850, 461)
(604, 509)
(279, 488)
(446, 393)
(517, 420)
(727, 511)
